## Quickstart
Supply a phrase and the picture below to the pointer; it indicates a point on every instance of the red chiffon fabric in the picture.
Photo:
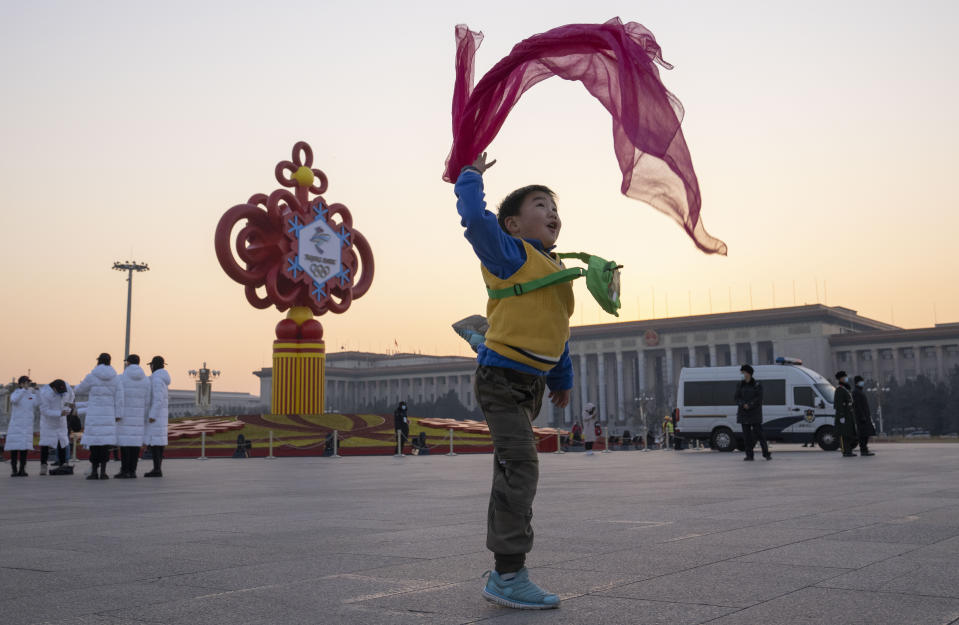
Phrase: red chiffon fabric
(615, 62)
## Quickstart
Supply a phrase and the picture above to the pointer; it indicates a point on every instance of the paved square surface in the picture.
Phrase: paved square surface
(626, 537)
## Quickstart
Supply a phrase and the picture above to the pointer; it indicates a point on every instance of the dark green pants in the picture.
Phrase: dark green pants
(510, 400)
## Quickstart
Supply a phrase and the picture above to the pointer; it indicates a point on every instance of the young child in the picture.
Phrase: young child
(526, 350)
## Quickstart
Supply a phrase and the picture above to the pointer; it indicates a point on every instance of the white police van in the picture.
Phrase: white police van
(797, 405)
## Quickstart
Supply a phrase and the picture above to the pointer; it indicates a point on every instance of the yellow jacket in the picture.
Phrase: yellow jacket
(531, 328)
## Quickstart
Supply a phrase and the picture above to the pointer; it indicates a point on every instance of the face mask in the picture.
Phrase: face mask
(861, 384)
(742, 376)
(845, 380)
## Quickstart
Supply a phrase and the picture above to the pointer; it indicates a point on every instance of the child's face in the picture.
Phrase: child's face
(538, 219)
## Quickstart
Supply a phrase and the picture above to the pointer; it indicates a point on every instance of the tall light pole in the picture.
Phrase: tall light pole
(640, 403)
(129, 267)
(204, 382)
(879, 389)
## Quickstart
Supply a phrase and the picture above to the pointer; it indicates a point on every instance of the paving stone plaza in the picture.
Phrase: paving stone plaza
(626, 537)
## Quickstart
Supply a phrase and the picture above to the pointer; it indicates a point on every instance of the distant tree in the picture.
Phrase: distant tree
(446, 406)
(951, 410)
(920, 403)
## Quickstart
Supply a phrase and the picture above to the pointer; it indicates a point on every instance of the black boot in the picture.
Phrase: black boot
(153, 457)
(157, 459)
(132, 461)
(94, 474)
(103, 471)
(123, 464)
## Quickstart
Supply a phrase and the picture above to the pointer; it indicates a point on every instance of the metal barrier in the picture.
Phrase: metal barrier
(336, 439)
(452, 453)
(399, 444)
(336, 448)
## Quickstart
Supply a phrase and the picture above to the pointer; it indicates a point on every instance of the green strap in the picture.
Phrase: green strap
(583, 256)
(566, 275)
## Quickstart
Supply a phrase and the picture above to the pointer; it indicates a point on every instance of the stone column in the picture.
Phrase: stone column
(640, 371)
(668, 377)
(692, 355)
(897, 369)
(877, 367)
(583, 387)
(620, 390)
(601, 384)
(712, 355)
(754, 349)
(940, 363)
(546, 409)
(733, 356)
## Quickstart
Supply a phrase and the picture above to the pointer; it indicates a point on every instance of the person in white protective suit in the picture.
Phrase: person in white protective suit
(103, 407)
(155, 434)
(56, 401)
(132, 417)
(19, 438)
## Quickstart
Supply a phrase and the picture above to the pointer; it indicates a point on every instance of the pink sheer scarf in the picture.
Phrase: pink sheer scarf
(615, 62)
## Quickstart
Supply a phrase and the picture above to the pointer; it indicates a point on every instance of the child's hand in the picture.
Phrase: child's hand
(560, 399)
(480, 163)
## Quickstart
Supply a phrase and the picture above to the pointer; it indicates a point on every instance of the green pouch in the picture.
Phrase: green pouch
(602, 281)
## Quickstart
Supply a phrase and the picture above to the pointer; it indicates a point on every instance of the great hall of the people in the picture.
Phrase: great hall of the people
(620, 365)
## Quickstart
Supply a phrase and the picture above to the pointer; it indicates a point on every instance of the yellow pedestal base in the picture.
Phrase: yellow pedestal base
(299, 377)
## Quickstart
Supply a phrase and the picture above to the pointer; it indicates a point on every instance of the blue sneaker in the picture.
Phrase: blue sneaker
(519, 592)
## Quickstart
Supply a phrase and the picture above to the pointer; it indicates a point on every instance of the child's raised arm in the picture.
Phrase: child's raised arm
(500, 253)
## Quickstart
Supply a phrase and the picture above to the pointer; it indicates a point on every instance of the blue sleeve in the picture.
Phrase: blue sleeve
(500, 253)
(560, 377)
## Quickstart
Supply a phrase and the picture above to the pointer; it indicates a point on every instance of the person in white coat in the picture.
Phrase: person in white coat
(133, 414)
(55, 405)
(590, 416)
(155, 435)
(19, 439)
(103, 405)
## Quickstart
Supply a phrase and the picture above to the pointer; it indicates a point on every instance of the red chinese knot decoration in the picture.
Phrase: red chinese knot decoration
(303, 253)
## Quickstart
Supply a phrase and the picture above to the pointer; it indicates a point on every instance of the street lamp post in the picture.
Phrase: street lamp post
(129, 267)
(204, 385)
(879, 390)
(640, 402)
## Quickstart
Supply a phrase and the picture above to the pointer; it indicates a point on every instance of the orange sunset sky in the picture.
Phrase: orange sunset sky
(824, 135)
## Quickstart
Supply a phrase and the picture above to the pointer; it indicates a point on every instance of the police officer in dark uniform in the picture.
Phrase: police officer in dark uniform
(864, 425)
(749, 399)
(401, 423)
(845, 416)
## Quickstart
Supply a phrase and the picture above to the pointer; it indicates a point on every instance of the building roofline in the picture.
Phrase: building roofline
(356, 355)
(463, 367)
(766, 316)
(945, 331)
(440, 368)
